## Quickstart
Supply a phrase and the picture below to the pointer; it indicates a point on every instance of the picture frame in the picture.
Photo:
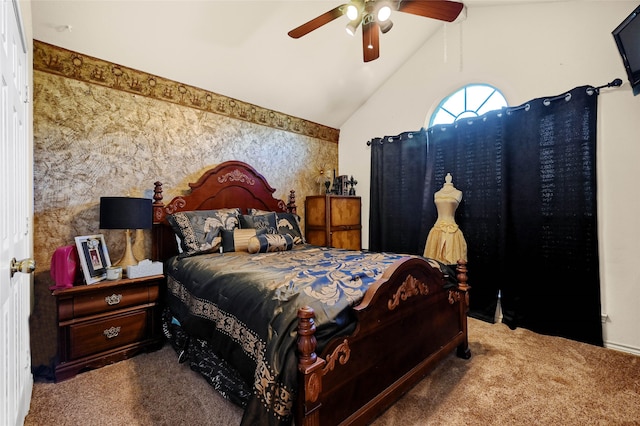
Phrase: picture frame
(94, 257)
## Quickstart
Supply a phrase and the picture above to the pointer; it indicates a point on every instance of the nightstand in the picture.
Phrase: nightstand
(103, 323)
(333, 221)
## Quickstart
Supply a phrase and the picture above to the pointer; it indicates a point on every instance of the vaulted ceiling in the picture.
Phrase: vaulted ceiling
(240, 48)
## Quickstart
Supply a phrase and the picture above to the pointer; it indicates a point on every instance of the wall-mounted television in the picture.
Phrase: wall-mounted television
(627, 37)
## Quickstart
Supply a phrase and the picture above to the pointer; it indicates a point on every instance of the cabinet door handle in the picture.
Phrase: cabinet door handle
(111, 332)
(114, 299)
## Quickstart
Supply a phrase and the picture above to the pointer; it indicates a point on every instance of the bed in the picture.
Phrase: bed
(293, 332)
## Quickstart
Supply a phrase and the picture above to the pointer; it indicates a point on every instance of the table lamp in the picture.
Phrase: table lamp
(125, 213)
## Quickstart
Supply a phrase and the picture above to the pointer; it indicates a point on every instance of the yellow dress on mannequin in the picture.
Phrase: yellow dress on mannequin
(445, 241)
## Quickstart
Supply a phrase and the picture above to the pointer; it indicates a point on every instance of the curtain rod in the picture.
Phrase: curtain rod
(546, 102)
(615, 83)
(398, 137)
(590, 91)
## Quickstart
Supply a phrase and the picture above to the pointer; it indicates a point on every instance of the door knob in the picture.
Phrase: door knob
(26, 266)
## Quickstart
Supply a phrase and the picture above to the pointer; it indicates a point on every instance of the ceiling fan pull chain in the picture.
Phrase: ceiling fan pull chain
(460, 53)
(445, 38)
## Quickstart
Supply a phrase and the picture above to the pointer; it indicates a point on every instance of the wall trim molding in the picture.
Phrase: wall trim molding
(622, 348)
(56, 60)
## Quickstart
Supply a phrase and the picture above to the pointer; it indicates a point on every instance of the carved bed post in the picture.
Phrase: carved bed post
(291, 205)
(461, 271)
(158, 216)
(158, 205)
(463, 290)
(309, 370)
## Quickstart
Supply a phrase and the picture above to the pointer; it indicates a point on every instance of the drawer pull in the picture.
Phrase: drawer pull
(114, 299)
(112, 332)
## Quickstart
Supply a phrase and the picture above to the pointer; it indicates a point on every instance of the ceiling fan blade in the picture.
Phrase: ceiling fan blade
(317, 22)
(437, 9)
(370, 41)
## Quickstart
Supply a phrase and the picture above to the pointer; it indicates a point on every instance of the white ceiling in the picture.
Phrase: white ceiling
(240, 48)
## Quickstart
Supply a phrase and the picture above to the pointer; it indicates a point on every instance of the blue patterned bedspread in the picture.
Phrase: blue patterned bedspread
(246, 306)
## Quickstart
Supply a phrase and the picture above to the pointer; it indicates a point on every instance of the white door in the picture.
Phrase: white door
(16, 171)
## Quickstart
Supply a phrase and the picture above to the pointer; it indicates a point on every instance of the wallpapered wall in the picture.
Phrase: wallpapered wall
(101, 129)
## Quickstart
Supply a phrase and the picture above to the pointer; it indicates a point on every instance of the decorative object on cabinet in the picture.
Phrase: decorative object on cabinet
(144, 268)
(341, 185)
(114, 273)
(64, 267)
(94, 257)
(352, 182)
(333, 221)
(322, 179)
(125, 213)
(107, 322)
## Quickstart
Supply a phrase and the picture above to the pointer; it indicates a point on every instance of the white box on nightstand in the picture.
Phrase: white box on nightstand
(144, 268)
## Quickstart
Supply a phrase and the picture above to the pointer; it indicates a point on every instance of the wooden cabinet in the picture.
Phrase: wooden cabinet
(333, 221)
(99, 324)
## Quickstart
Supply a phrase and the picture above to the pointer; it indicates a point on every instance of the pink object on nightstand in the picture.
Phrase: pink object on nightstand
(64, 266)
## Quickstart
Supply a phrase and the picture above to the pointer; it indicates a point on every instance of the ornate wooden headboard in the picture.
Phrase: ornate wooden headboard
(228, 185)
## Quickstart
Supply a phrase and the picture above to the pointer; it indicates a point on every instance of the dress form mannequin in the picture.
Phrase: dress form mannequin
(445, 241)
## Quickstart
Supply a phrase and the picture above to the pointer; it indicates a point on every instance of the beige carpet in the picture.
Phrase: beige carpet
(514, 377)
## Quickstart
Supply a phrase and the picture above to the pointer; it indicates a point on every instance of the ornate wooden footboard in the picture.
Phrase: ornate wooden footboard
(407, 322)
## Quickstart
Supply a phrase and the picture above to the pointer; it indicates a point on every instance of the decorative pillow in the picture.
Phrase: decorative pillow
(264, 221)
(199, 231)
(270, 242)
(255, 212)
(287, 223)
(238, 239)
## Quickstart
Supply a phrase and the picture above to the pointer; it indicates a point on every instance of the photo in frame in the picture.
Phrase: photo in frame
(94, 257)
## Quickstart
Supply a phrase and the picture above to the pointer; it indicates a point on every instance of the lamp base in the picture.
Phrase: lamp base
(128, 259)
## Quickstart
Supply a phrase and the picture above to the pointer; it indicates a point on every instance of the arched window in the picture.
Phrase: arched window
(470, 101)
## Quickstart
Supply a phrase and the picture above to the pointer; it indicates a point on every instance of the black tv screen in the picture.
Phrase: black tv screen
(627, 37)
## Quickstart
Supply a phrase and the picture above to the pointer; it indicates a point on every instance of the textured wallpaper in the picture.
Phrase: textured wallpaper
(93, 140)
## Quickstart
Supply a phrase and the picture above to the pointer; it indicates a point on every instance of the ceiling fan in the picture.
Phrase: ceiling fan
(374, 16)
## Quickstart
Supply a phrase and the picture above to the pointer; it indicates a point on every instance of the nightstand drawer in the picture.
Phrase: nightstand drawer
(96, 336)
(104, 300)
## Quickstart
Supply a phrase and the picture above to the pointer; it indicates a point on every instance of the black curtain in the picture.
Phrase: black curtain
(528, 211)
(398, 171)
(471, 151)
(552, 244)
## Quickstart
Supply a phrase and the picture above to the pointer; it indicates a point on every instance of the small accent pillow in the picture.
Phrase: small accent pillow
(269, 243)
(263, 221)
(287, 223)
(199, 231)
(238, 239)
(254, 212)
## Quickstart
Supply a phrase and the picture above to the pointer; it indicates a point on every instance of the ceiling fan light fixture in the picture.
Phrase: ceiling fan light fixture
(386, 26)
(352, 26)
(353, 11)
(384, 13)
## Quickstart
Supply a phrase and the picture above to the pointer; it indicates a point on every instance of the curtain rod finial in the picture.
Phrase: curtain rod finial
(615, 83)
